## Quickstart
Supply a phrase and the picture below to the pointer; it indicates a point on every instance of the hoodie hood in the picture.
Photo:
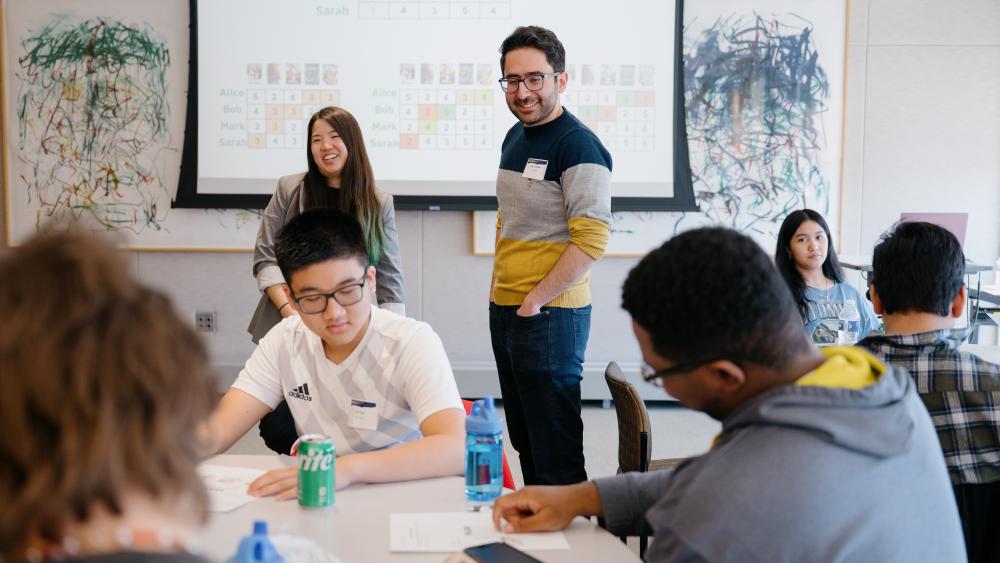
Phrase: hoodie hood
(852, 400)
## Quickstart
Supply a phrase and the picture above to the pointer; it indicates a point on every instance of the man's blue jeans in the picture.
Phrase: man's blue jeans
(540, 362)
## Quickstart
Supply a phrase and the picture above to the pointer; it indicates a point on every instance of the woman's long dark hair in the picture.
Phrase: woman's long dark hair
(786, 264)
(356, 195)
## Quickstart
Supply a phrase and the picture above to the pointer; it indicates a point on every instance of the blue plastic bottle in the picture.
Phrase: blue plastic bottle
(256, 548)
(483, 452)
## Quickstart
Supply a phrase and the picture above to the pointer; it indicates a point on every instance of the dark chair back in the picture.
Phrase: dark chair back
(634, 440)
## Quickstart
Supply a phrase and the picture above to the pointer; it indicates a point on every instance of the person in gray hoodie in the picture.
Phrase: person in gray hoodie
(824, 455)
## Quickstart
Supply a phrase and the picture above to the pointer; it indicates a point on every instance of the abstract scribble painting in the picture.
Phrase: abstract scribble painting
(763, 92)
(92, 114)
(95, 100)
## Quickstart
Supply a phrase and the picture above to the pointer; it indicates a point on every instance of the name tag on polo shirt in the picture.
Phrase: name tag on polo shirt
(535, 169)
(364, 415)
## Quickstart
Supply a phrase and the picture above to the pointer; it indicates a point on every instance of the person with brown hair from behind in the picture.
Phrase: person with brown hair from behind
(104, 389)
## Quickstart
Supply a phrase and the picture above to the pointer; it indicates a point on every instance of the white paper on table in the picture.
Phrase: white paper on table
(447, 532)
(227, 486)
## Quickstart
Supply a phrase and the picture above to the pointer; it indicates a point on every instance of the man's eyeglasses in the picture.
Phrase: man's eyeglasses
(651, 375)
(345, 297)
(533, 82)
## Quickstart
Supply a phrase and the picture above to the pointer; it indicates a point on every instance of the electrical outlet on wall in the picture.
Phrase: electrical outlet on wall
(204, 321)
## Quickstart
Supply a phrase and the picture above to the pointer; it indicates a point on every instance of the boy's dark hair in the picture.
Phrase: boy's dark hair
(318, 235)
(713, 293)
(537, 38)
(917, 267)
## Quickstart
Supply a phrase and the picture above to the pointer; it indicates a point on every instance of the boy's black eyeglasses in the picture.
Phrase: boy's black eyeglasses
(345, 297)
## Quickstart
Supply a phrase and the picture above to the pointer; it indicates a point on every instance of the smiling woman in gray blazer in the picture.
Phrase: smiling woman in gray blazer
(339, 176)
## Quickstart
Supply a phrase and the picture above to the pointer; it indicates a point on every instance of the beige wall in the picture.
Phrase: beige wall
(922, 134)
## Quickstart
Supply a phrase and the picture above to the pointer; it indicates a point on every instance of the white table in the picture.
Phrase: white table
(356, 529)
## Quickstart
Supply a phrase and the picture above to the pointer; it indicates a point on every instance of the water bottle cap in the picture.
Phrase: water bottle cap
(260, 527)
(484, 418)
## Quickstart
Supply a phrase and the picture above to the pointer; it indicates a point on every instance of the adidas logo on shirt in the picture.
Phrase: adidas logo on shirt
(301, 392)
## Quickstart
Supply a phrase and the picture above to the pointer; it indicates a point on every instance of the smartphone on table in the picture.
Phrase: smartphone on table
(499, 553)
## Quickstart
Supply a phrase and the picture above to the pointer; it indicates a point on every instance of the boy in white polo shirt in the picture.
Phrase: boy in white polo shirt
(379, 384)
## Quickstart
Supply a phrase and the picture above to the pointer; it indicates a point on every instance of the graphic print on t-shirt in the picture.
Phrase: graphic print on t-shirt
(828, 315)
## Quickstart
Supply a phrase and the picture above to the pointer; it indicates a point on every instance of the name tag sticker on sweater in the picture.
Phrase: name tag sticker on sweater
(535, 169)
(364, 415)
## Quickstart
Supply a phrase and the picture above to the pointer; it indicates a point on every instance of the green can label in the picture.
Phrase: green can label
(316, 470)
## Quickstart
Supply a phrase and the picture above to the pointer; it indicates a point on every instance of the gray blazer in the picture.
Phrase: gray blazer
(286, 204)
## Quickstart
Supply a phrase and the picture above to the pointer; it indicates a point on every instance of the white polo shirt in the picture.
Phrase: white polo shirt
(376, 398)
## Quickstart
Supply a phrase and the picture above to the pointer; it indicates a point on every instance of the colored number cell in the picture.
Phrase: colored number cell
(428, 127)
(484, 97)
(445, 112)
(645, 99)
(607, 113)
(409, 141)
(626, 99)
(274, 112)
(312, 97)
(466, 98)
(428, 111)
(293, 111)
(275, 126)
(256, 141)
(587, 113)
(331, 97)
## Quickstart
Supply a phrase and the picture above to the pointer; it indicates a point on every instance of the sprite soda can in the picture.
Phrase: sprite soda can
(316, 483)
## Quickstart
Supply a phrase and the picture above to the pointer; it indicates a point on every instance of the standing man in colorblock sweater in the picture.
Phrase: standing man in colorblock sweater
(553, 188)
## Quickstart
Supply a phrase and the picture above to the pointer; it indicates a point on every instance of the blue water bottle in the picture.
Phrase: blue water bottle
(483, 452)
(256, 548)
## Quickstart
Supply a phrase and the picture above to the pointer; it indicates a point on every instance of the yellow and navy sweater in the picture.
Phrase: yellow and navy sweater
(539, 218)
